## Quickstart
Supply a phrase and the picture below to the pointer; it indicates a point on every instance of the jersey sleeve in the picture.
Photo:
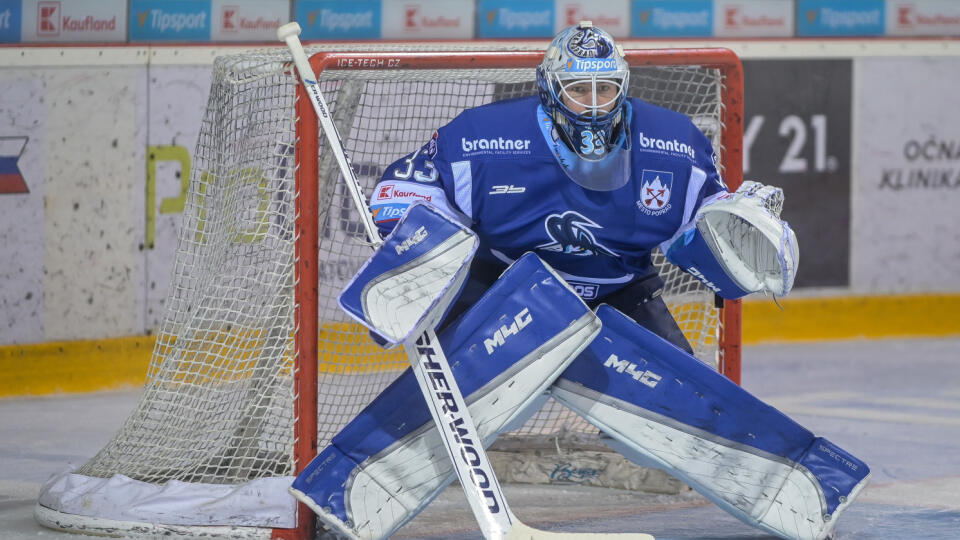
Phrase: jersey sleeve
(705, 182)
(419, 176)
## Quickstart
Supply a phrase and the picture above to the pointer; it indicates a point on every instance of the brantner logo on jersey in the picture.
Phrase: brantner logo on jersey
(497, 145)
(662, 145)
(508, 18)
(679, 18)
(335, 19)
(655, 188)
(173, 20)
(9, 21)
(839, 18)
(74, 21)
(571, 234)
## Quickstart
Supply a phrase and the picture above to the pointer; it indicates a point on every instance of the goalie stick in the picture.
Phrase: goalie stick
(457, 429)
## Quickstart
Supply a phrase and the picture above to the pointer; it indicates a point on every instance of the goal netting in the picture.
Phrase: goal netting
(255, 366)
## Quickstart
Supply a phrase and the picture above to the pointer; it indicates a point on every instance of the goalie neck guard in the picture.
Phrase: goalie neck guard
(583, 81)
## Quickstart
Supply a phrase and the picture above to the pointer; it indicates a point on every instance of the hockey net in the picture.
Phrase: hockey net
(255, 367)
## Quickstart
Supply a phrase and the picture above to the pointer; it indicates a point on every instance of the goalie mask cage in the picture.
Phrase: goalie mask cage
(255, 367)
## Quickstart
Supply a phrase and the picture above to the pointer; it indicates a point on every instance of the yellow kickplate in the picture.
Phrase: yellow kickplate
(850, 317)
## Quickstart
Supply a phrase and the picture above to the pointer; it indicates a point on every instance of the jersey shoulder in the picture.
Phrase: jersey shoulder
(660, 129)
(505, 129)
(653, 118)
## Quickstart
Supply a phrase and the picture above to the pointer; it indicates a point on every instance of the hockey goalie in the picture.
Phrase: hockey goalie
(542, 213)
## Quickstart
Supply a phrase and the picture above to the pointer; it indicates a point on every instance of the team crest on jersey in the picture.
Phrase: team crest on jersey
(571, 235)
(655, 189)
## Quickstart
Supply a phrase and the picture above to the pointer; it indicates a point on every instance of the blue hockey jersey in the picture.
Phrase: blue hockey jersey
(497, 168)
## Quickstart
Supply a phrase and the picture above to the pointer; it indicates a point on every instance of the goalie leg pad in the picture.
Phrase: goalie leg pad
(665, 408)
(389, 462)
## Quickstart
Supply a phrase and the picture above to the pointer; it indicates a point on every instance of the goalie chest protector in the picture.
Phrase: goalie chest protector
(495, 165)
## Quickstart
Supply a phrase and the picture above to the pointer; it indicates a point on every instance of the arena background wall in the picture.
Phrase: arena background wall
(96, 145)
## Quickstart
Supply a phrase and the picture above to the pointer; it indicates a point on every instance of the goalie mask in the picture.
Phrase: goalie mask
(583, 82)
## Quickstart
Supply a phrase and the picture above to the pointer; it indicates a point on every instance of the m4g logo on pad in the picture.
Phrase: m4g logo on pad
(520, 321)
(645, 377)
(419, 236)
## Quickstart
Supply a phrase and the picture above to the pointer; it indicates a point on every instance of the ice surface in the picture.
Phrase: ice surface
(893, 403)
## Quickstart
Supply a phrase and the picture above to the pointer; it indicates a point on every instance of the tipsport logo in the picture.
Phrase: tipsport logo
(831, 18)
(591, 64)
(6, 20)
(571, 235)
(191, 21)
(176, 22)
(336, 21)
(360, 20)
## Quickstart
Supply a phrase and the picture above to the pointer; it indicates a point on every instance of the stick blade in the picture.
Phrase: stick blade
(519, 531)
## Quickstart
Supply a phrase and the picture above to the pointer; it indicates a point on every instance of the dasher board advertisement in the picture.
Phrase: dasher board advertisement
(797, 136)
(906, 222)
(73, 20)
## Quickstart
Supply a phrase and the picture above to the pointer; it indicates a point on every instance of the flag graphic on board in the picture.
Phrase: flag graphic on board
(11, 180)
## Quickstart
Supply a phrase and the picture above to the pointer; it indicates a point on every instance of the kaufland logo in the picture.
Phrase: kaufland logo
(234, 21)
(835, 18)
(48, 18)
(51, 21)
(735, 18)
(907, 17)
(414, 19)
(573, 14)
(162, 21)
(229, 12)
(334, 20)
